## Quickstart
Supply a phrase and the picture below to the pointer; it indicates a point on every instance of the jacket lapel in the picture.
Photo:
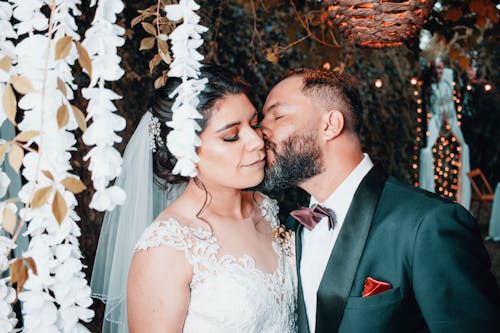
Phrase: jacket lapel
(341, 268)
(303, 326)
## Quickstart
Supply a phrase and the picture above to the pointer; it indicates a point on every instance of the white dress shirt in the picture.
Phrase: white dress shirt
(317, 244)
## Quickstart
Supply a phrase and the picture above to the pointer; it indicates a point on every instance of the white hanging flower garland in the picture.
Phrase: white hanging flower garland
(57, 297)
(101, 42)
(8, 318)
(182, 140)
(7, 52)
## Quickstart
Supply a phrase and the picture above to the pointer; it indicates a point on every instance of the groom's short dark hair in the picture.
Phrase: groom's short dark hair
(333, 90)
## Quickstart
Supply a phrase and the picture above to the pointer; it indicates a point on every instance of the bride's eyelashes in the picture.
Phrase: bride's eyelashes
(231, 138)
(235, 133)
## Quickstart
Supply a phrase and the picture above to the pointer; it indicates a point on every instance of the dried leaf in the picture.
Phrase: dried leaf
(59, 208)
(6, 64)
(18, 273)
(154, 62)
(48, 174)
(32, 265)
(74, 185)
(16, 156)
(272, 57)
(22, 84)
(463, 62)
(147, 43)
(62, 116)
(135, 21)
(165, 57)
(163, 46)
(26, 136)
(9, 220)
(9, 104)
(63, 46)
(62, 87)
(84, 59)
(454, 53)
(160, 81)
(491, 13)
(481, 21)
(12, 200)
(149, 28)
(453, 14)
(41, 196)
(80, 118)
(3, 148)
(478, 7)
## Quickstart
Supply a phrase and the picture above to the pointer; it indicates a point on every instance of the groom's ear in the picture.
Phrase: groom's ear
(334, 124)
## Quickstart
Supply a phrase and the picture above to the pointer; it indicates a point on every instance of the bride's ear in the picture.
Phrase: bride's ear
(333, 124)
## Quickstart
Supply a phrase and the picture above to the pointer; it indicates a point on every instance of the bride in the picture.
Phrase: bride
(210, 261)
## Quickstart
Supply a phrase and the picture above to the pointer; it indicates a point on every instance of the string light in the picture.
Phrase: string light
(419, 130)
(487, 87)
(446, 150)
(327, 65)
(378, 83)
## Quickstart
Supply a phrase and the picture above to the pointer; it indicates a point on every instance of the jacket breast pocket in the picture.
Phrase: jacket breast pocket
(387, 298)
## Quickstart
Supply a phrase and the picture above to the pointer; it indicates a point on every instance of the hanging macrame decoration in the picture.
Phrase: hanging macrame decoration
(379, 23)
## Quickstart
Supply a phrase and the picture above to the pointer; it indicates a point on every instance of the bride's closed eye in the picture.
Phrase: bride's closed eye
(233, 136)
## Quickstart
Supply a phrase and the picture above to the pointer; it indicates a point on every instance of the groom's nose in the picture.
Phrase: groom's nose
(264, 126)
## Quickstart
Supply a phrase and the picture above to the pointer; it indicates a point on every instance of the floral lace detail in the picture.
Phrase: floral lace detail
(230, 293)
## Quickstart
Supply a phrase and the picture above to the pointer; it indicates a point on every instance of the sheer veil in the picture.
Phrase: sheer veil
(123, 226)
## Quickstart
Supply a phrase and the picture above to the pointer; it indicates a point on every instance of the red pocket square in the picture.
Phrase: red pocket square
(374, 287)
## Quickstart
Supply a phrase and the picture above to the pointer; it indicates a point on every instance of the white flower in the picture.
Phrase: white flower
(105, 164)
(108, 198)
(184, 9)
(4, 183)
(186, 38)
(107, 10)
(8, 319)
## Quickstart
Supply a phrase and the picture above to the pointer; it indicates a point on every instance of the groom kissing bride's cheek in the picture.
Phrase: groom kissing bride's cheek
(373, 254)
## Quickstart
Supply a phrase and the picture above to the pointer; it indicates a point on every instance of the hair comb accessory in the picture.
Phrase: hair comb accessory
(154, 133)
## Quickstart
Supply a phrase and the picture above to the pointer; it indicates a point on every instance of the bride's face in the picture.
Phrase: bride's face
(232, 150)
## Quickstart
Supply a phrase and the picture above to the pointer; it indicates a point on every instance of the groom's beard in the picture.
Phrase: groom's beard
(298, 160)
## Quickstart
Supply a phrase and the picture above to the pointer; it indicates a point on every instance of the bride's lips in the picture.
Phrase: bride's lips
(257, 164)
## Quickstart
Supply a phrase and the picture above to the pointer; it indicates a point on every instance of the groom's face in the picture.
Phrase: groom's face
(291, 127)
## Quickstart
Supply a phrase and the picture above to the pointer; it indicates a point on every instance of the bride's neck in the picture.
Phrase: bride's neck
(221, 201)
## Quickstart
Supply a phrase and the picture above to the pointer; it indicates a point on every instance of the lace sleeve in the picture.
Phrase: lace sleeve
(167, 233)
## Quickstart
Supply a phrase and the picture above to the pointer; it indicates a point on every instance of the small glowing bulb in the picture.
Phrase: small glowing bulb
(487, 87)
(413, 81)
(378, 83)
(327, 65)
(469, 87)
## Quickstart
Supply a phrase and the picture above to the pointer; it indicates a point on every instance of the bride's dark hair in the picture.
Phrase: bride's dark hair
(221, 82)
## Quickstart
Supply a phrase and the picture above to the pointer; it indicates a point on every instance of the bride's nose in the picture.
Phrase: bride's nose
(255, 141)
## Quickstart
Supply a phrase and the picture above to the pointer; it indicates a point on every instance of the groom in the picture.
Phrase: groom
(375, 255)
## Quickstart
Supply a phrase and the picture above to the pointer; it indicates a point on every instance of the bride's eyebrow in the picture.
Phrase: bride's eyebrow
(225, 127)
(236, 123)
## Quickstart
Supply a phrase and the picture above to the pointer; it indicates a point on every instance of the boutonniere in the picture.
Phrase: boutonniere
(284, 239)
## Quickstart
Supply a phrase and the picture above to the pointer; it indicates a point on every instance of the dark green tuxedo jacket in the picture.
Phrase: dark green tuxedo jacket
(428, 249)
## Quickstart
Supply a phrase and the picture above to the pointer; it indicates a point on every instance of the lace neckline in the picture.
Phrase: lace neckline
(269, 210)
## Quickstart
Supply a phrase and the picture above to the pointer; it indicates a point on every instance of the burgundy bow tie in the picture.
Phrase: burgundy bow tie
(309, 217)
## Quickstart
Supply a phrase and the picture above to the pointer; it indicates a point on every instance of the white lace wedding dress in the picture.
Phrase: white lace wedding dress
(228, 293)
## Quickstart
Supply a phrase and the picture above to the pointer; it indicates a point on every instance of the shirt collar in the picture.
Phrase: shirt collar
(340, 200)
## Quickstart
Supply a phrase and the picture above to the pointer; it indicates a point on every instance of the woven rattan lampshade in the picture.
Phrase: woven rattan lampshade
(379, 23)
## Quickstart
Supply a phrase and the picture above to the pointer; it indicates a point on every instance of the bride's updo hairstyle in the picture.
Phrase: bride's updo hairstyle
(221, 83)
